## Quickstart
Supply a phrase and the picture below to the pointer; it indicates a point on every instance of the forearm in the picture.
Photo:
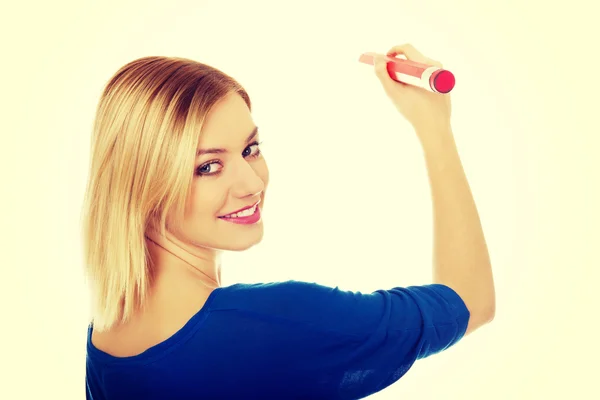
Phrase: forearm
(461, 258)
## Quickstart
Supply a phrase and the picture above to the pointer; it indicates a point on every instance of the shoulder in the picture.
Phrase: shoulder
(335, 309)
(310, 295)
(307, 303)
(273, 296)
(289, 293)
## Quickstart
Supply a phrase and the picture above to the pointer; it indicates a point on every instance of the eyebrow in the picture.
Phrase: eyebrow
(221, 151)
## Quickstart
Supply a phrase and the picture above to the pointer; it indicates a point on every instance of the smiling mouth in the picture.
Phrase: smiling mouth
(245, 212)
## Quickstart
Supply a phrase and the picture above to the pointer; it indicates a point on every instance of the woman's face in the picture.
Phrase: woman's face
(230, 174)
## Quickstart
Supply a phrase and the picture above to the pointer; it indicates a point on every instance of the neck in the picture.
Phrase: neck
(173, 256)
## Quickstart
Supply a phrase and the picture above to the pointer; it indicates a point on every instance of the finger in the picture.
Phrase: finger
(407, 50)
(380, 65)
(413, 54)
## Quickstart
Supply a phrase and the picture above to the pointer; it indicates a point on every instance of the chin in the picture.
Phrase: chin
(243, 241)
(237, 247)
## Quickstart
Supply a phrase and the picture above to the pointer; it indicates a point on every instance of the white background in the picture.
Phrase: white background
(349, 201)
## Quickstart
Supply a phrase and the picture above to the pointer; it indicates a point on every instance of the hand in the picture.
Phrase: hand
(426, 111)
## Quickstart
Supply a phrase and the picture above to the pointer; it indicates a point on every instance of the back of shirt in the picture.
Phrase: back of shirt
(287, 340)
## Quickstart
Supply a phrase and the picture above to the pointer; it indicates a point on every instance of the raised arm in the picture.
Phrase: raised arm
(461, 259)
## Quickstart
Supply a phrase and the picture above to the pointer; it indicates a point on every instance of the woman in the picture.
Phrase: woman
(176, 178)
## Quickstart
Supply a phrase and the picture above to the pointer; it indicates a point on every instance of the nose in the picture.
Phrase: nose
(247, 182)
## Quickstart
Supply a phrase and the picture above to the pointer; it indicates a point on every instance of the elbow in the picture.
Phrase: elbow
(491, 308)
(488, 312)
(485, 305)
(479, 317)
(482, 311)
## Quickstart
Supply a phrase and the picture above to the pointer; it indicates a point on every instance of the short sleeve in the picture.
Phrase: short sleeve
(350, 345)
(287, 340)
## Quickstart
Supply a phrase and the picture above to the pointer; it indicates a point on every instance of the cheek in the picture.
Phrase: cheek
(206, 200)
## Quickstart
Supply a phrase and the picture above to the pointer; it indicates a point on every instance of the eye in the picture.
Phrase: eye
(209, 168)
(249, 152)
(212, 167)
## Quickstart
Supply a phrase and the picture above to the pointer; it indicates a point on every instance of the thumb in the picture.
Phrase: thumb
(380, 64)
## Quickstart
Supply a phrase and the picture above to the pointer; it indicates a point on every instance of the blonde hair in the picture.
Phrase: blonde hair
(143, 148)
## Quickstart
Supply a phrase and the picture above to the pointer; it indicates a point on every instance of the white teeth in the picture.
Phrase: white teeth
(245, 213)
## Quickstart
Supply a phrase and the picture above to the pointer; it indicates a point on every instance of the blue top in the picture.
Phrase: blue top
(286, 340)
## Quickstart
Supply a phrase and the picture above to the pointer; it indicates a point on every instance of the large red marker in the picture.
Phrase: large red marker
(429, 77)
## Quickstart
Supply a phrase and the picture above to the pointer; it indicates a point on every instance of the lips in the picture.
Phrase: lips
(240, 210)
